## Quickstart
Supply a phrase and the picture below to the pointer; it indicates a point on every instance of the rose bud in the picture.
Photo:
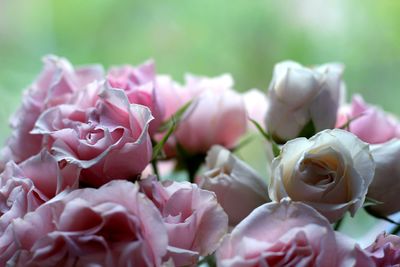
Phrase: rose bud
(217, 116)
(303, 101)
(360, 116)
(114, 225)
(55, 85)
(385, 251)
(331, 172)
(139, 84)
(286, 234)
(101, 132)
(256, 105)
(238, 187)
(385, 186)
(195, 221)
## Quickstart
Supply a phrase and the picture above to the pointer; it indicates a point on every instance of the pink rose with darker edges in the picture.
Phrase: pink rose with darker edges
(55, 85)
(195, 221)
(101, 132)
(140, 86)
(114, 225)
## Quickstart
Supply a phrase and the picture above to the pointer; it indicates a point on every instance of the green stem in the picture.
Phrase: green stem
(338, 224)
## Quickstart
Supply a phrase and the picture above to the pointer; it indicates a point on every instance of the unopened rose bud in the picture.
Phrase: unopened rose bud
(239, 188)
(303, 100)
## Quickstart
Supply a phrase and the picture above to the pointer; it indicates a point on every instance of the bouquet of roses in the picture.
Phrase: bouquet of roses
(130, 168)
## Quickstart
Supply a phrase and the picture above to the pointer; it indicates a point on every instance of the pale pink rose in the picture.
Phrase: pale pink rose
(238, 187)
(299, 96)
(385, 186)
(385, 251)
(217, 115)
(256, 105)
(114, 225)
(331, 172)
(285, 234)
(54, 86)
(371, 124)
(102, 133)
(195, 221)
(26, 186)
(172, 94)
(140, 86)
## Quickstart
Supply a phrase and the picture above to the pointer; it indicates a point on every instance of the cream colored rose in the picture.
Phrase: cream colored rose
(300, 96)
(331, 172)
(238, 187)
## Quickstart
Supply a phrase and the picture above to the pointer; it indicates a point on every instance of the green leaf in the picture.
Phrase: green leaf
(308, 130)
(275, 148)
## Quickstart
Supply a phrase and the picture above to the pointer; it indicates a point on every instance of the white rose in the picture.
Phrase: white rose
(299, 96)
(330, 171)
(238, 187)
(385, 186)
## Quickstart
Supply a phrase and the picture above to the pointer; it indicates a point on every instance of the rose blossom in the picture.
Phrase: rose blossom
(331, 172)
(256, 105)
(26, 186)
(195, 221)
(114, 225)
(139, 84)
(101, 133)
(385, 186)
(299, 96)
(285, 234)
(238, 187)
(385, 125)
(217, 116)
(55, 85)
(385, 251)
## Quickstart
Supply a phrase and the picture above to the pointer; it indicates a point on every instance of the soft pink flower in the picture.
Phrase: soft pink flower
(172, 94)
(140, 86)
(54, 86)
(385, 251)
(238, 187)
(285, 234)
(256, 105)
(114, 225)
(101, 132)
(26, 186)
(217, 115)
(195, 221)
(370, 124)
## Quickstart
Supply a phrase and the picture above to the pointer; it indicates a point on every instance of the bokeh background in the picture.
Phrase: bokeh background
(243, 37)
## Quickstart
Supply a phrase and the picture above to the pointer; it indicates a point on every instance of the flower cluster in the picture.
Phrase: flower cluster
(92, 174)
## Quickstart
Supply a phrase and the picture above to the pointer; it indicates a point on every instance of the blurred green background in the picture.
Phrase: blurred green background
(207, 37)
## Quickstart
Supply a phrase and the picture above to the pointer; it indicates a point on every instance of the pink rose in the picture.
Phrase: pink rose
(217, 116)
(140, 86)
(114, 225)
(26, 186)
(101, 133)
(385, 126)
(256, 105)
(54, 86)
(285, 234)
(238, 187)
(195, 221)
(385, 251)
(172, 94)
